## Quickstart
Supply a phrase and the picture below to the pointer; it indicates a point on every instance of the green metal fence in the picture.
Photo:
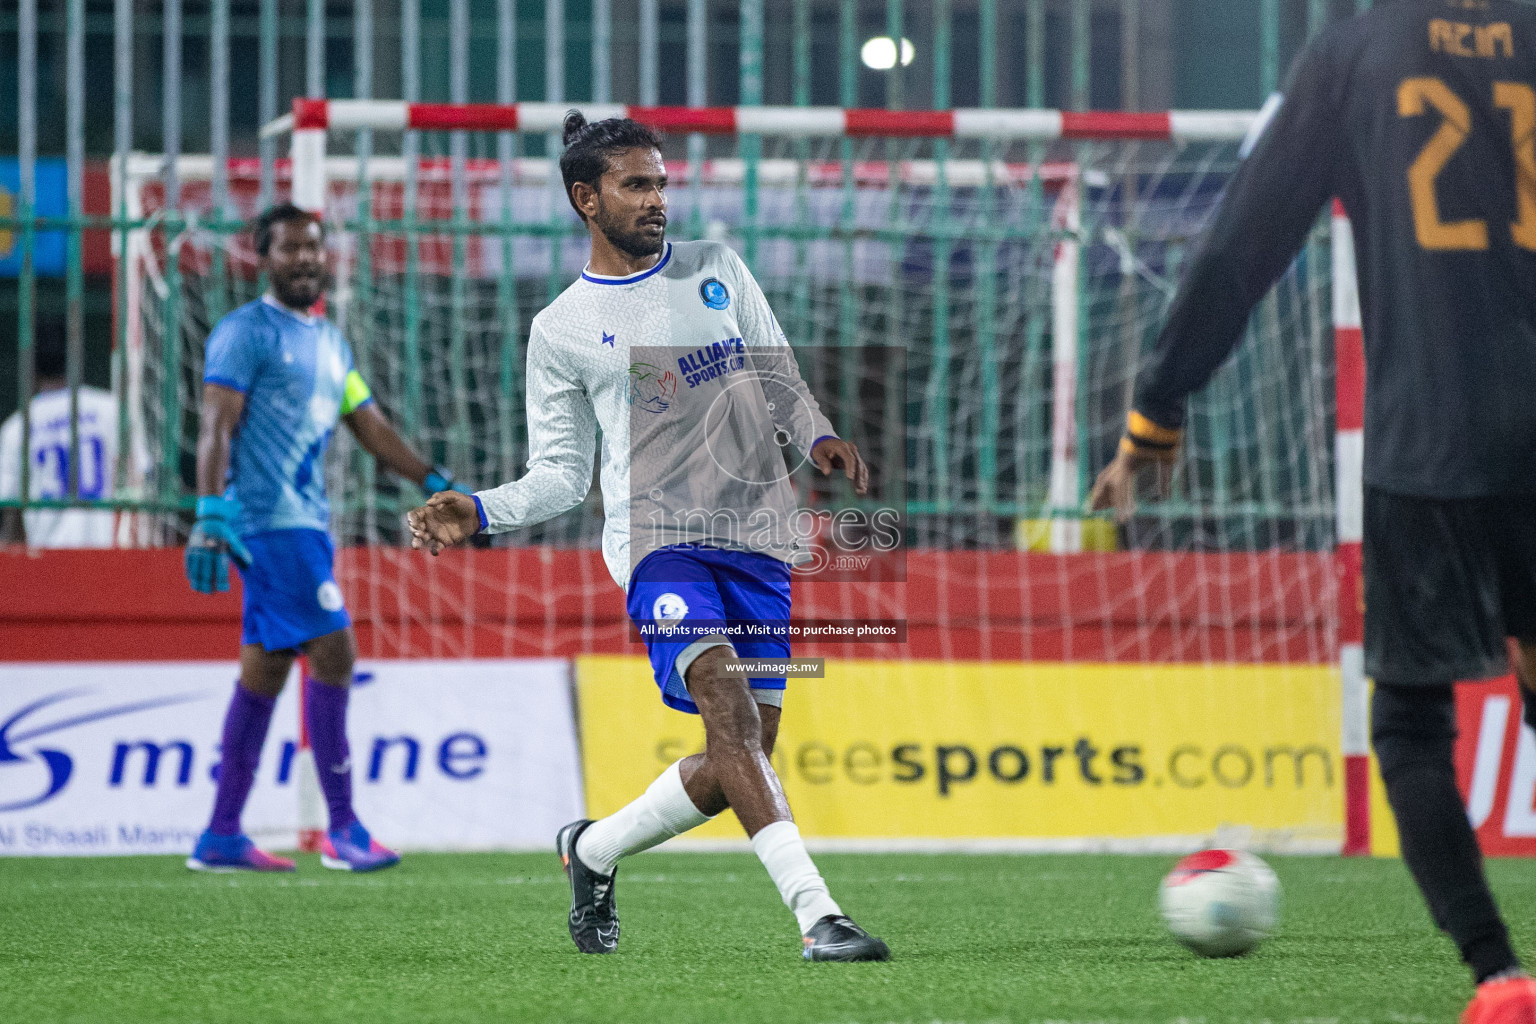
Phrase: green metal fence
(953, 260)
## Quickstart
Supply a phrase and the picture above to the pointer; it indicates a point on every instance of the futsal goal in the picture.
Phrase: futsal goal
(1020, 262)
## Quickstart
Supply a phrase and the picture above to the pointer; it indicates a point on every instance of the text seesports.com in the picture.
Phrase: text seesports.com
(948, 766)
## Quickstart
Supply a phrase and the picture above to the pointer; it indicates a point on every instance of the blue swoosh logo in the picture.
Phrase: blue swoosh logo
(60, 765)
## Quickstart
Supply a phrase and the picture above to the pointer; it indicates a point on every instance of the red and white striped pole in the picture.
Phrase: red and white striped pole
(307, 775)
(308, 153)
(317, 115)
(309, 184)
(1349, 491)
(308, 193)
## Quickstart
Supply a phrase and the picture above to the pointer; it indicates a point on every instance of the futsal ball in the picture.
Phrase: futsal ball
(1220, 902)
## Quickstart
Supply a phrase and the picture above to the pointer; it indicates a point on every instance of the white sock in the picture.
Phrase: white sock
(661, 812)
(783, 853)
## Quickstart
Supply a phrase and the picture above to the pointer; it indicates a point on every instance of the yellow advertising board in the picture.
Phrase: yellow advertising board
(976, 750)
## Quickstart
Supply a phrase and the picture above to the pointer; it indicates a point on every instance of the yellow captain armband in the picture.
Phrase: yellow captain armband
(354, 393)
(1142, 436)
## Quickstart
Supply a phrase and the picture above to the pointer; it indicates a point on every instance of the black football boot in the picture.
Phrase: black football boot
(594, 919)
(836, 937)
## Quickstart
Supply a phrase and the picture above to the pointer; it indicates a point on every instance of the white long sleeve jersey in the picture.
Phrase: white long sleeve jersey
(699, 398)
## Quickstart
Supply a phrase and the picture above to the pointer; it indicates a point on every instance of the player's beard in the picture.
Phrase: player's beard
(634, 242)
(300, 292)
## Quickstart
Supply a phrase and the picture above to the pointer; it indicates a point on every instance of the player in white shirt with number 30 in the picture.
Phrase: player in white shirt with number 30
(672, 350)
(49, 455)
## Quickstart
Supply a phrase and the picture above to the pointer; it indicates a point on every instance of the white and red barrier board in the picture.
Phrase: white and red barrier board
(104, 758)
(1496, 766)
(1495, 770)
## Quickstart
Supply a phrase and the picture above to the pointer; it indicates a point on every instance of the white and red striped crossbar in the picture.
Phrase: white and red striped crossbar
(1349, 489)
(834, 122)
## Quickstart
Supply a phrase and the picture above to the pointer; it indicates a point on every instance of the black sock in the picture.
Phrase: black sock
(1413, 729)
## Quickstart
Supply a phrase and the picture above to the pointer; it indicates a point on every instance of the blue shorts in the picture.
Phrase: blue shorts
(291, 595)
(689, 582)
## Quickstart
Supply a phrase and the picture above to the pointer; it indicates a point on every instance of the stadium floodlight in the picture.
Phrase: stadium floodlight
(879, 53)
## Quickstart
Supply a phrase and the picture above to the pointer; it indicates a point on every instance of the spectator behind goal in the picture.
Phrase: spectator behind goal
(49, 455)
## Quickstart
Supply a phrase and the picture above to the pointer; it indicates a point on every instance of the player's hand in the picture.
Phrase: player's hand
(1144, 444)
(834, 450)
(212, 544)
(448, 518)
(440, 480)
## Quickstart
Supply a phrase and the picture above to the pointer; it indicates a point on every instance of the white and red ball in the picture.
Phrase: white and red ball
(1220, 902)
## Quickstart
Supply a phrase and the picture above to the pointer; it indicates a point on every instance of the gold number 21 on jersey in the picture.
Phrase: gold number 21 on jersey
(1413, 95)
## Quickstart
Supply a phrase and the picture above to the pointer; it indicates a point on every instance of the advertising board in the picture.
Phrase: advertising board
(1495, 769)
(102, 758)
(1065, 755)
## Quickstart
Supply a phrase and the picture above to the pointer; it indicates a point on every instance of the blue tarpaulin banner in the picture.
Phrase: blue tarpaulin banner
(52, 201)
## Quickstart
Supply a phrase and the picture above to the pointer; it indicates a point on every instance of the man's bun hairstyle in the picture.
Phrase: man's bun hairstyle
(570, 129)
(588, 144)
(278, 214)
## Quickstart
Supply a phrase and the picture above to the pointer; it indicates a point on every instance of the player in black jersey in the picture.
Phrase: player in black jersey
(1421, 116)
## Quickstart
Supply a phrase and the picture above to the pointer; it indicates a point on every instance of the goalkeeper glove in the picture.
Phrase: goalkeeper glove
(1148, 440)
(212, 544)
(441, 479)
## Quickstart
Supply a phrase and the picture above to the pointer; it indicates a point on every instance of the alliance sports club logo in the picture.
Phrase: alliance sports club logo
(714, 294)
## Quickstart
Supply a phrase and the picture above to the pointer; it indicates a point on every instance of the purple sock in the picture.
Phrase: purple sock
(325, 710)
(245, 729)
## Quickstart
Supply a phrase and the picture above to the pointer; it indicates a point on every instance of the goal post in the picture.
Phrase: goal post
(1349, 495)
(1025, 265)
(312, 120)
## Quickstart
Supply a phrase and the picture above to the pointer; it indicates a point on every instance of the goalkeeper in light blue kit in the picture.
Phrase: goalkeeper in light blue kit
(275, 382)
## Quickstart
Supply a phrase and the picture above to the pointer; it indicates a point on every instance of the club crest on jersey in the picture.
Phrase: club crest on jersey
(714, 294)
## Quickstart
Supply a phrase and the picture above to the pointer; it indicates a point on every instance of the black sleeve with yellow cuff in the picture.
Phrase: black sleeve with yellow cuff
(1143, 437)
(1265, 213)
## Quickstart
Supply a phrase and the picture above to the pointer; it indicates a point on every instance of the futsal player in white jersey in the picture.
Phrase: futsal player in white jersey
(672, 350)
(48, 453)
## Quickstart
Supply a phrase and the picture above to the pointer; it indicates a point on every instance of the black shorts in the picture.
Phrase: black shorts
(1446, 580)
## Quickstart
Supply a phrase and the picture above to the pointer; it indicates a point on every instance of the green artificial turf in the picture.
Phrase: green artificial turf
(469, 938)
